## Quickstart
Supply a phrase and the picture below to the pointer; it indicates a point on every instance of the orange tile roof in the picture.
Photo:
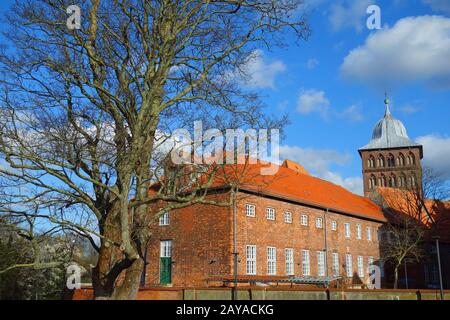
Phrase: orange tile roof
(297, 185)
(406, 202)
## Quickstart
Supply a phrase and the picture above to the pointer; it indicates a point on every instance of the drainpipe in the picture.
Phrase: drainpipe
(235, 254)
(326, 242)
(441, 285)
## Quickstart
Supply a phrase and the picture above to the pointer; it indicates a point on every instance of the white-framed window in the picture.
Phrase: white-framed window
(319, 223)
(164, 220)
(369, 233)
(305, 263)
(166, 249)
(304, 220)
(270, 213)
(380, 235)
(320, 263)
(335, 263)
(358, 232)
(348, 265)
(289, 259)
(369, 263)
(288, 217)
(250, 210)
(361, 266)
(333, 225)
(347, 230)
(250, 254)
(271, 260)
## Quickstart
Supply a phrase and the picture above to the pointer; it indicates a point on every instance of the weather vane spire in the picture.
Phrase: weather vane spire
(386, 103)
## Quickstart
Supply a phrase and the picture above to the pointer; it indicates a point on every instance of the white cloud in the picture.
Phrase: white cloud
(414, 49)
(313, 100)
(349, 14)
(312, 63)
(352, 184)
(257, 72)
(436, 152)
(352, 113)
(439, 5)
(318, 163)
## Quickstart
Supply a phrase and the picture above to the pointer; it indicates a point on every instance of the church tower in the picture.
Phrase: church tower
(390, 159)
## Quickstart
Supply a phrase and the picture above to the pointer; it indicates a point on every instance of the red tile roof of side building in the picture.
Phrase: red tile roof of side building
(292, 182)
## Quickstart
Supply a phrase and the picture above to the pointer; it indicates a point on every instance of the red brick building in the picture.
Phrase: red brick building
(289, 225)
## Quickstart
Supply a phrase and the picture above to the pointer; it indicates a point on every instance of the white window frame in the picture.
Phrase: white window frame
(347, 230)
(164, 219)
(250, 210)
(333, 225)
(319, 223)
(369, 233)
(270, 213)
(271, 261)
(306, 269)
(348, 265)
(370, 262)
(361, 267)
(335, 263)
(288, 217)
(250, 254)
(304, 220)
(289, 261)
(165, 248)
(320, 264)
(358, 232)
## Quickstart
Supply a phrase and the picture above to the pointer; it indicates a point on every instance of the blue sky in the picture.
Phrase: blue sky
(332, 86)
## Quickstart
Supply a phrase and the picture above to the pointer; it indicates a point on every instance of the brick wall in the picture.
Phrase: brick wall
(263, 233)
(202, 239)
(397, 170)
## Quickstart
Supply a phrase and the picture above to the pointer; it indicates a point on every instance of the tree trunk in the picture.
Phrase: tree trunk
(395, 277)
(129, 288)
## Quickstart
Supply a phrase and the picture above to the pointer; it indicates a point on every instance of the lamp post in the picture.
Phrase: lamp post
(441, 285)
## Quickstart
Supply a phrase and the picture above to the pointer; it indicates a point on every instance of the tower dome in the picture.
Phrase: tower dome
(389, 133)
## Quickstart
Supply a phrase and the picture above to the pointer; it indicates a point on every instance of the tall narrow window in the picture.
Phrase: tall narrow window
(335, 264)
(270, 214)
(319, 223)
(251, 259)
(304, 220)
(271, 261)
(348, 265)
(288, 217)
(369, 233)
(369, 264)
(333, 225)
(166, 249)
(358, 232)
(321, 263)
(305, 263)
(360, 267)
(164, 220)
(347, 230)
(250, 210)
(289, 259)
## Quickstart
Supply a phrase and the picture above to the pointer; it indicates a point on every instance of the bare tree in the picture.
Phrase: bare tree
(83, 113)
(403, 243)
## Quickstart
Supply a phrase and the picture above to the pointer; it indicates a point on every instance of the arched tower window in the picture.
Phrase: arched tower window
(412, 181)
(392, 181)
(401, 181)
(391, 161)
(372, 182)
(382, 181)
(371, 162)
(401, 160)
(381, 161)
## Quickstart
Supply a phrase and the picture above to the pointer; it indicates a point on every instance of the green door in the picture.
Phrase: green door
(165, 275)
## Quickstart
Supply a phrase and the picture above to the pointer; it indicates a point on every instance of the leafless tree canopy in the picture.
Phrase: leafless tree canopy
(83, 112)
